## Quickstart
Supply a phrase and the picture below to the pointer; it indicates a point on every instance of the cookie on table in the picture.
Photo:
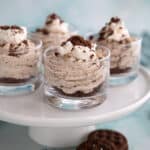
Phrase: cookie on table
(115, 137)
(97, 145)
(105, 140)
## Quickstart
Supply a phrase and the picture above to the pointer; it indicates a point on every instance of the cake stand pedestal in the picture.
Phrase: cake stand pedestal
(59, 128)
(59, 137)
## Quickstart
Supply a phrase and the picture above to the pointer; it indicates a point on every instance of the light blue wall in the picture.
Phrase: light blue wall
(86, 15)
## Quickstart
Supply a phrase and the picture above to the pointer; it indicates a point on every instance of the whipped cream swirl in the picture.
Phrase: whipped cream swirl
(12, 34)
(114, 30)
(18, 54)
(55, 24)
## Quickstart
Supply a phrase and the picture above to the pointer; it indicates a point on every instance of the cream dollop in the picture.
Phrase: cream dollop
(65, 49)
(120, 32)
(12, 34)
(57, 25)
(83, 53)
(115, 30)
(77, 51)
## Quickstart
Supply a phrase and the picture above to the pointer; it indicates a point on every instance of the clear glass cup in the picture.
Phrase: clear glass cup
(124, 59)
(21, 74)
(124, 62)
(55, 94)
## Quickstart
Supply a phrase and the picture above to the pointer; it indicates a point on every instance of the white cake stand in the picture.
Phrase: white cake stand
(58, 128)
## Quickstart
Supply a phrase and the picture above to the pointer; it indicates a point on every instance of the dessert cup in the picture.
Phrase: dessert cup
(125, 51)
(21, 72)
(83, 87)
(125, 61)
(55, 31)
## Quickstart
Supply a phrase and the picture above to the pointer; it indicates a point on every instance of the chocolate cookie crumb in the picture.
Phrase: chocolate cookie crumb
(115, 19)
(110, 32)
(15, 27)
(91, 37)
(52, 17)
(56, 54)
(78, 40)
(25, 42)
(91, 56)
(2, 45)
(44, 31)
(6, 27)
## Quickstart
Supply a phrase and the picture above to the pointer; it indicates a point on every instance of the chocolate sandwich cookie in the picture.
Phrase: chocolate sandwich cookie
(97, 145)
(110, 136)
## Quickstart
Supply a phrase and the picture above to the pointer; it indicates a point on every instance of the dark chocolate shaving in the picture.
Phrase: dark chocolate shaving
(91, 37)
(56, 54)
(16, 27)
(5, 27)
(25, 42)
(125, 41)
(91, 56)
(103, 29)
(115, 19)
(44, 31)
(48, 22)
(2, 45)
(110, 32)
(52, 17)
(78, 40)
(104, 34)
(13, 54)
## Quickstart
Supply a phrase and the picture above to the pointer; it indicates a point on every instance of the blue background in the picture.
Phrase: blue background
(86, 15)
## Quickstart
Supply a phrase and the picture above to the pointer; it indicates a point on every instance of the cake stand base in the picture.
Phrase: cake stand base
(59, 137)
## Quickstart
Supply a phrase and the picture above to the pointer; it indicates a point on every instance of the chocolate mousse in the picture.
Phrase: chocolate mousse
(125, 49)
(54, 32)
(74, 68)
(18, 55)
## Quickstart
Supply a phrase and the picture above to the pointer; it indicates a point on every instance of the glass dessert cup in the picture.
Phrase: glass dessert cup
(54, 31)
(27, 69)
(124, 59)
(124, 62)
(56, 97)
